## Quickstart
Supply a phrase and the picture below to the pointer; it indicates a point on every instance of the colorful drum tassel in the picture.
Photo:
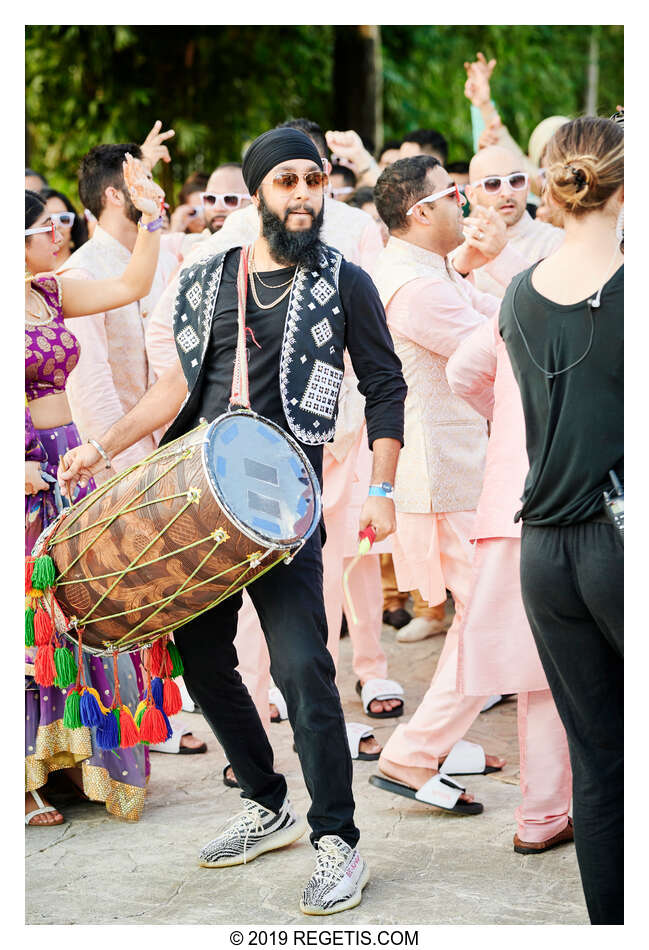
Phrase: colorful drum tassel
(176, 660)
(44, 667)
(157, 692)
(71, 712)
(66, 667)
(129, 734)
(43, 629)
(29, 627)
(44, 572)
(172, 700)
(108, 732)
(153, 728)
(90, 708)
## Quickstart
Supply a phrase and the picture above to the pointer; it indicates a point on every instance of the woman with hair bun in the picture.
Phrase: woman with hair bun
(562, 323)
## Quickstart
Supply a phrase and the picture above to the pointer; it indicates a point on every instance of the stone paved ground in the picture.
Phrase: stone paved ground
(428, 867)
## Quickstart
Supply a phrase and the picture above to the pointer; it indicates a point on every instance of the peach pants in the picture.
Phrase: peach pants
(369, 660)
(444, 715)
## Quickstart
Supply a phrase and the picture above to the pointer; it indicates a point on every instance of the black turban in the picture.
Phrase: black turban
(272, 148)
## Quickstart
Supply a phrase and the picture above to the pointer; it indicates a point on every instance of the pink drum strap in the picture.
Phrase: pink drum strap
(240, 395)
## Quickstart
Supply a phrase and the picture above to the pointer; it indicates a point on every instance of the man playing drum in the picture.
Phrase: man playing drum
(306, 304)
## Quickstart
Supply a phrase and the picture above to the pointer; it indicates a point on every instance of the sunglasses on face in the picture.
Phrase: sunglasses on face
(288, 181)
(492, 185)
(230, 201)
(44, 229)
(453, 192)
(63, 219)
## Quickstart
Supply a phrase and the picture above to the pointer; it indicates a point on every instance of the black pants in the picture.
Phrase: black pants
(289, 602)
(572, 584)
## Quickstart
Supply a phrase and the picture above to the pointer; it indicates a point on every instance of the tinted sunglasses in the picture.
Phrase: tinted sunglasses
(229, 201)
(63, 219)
(288, 181)
(492, 185)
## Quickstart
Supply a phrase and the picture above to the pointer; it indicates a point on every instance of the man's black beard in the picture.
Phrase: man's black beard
(303, 248)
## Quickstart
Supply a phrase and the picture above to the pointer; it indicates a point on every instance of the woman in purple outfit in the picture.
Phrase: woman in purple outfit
(51, 353)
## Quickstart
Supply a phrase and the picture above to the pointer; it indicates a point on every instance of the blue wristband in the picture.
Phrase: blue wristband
(152, 225)
(384, 490)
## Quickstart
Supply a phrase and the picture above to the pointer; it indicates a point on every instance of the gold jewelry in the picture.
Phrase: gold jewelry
(254, 270)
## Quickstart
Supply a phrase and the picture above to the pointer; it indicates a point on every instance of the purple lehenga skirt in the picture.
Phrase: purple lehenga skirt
(116, 777)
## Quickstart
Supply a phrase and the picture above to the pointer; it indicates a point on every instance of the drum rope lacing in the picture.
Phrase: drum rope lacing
(130, 640)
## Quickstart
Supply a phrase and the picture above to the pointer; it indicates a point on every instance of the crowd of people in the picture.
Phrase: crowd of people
(470, 412)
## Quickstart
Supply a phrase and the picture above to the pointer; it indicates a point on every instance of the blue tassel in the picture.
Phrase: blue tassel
(157, 692)
(108, 733)
(89, 710)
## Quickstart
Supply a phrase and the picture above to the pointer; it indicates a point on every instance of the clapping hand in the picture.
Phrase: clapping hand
(145, 194)
(152, 148)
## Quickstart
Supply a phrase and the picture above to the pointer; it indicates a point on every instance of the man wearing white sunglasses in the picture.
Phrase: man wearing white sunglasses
(226, 192)
(508, 238)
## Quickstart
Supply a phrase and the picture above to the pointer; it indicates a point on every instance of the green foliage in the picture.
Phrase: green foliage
(220, 86)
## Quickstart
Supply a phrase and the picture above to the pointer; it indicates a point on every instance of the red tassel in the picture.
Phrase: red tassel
(29, 570)
(153, 728)
(172, 701)
(44, 666)
(156, 656)
(128, 731)
(42, 628)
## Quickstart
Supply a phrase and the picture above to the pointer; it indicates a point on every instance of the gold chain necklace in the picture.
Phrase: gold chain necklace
(266, 306)
(254, 270)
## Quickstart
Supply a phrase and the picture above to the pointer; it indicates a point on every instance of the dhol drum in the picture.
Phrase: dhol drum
(174, 535)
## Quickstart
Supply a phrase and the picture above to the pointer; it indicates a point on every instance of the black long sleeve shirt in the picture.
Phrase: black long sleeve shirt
(367, 339)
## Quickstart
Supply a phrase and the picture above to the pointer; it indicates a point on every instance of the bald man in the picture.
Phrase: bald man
(498, 189)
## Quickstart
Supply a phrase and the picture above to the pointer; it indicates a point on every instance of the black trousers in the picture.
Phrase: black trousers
(573, 586)
(289, 602)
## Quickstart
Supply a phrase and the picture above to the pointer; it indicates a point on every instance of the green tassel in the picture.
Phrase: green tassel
(44, 572)
(29, 626)
(177, 663)
(66, 667)
(139, 712)
(71, 714)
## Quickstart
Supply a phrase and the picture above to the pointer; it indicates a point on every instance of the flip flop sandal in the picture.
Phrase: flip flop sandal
(275, 697)
(183, 750)
(467, 758)
(355, 732)
(41, 810)
(381, 690)
(228, 781)
(440, 791)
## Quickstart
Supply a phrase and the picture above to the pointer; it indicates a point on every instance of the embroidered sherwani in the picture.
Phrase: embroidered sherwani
(497, 652)
(430, 310)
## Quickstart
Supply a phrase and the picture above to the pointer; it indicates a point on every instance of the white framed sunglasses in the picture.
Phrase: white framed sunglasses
(346, 190)
(493, 183)
(63, 219)
(51, 227)
(452, 190)
(230, 200)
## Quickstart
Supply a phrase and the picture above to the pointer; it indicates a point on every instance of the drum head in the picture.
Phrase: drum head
(262, 479)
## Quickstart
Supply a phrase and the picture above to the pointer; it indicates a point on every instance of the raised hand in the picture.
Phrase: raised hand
(348, 145)
(476, 88)
(152, 148)
(145, 194)
(489, 135)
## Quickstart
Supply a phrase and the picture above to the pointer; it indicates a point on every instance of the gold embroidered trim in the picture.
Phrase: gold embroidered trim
(124, 801)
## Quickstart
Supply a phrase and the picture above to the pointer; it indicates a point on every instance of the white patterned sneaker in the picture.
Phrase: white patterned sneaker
(338, 880)
(250, 833)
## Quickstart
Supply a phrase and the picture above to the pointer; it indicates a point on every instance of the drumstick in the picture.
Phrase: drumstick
(67, 487)
(366, 539)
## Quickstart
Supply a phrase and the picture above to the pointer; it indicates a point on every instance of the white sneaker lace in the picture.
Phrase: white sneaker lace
(330, 860)
(251, 818)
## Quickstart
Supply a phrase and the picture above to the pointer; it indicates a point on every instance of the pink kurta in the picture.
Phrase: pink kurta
(497, 653)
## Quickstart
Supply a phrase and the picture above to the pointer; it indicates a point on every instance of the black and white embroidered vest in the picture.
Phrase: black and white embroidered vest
(311, 364)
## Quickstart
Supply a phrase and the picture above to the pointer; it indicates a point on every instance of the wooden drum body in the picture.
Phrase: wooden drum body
(177, 533)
